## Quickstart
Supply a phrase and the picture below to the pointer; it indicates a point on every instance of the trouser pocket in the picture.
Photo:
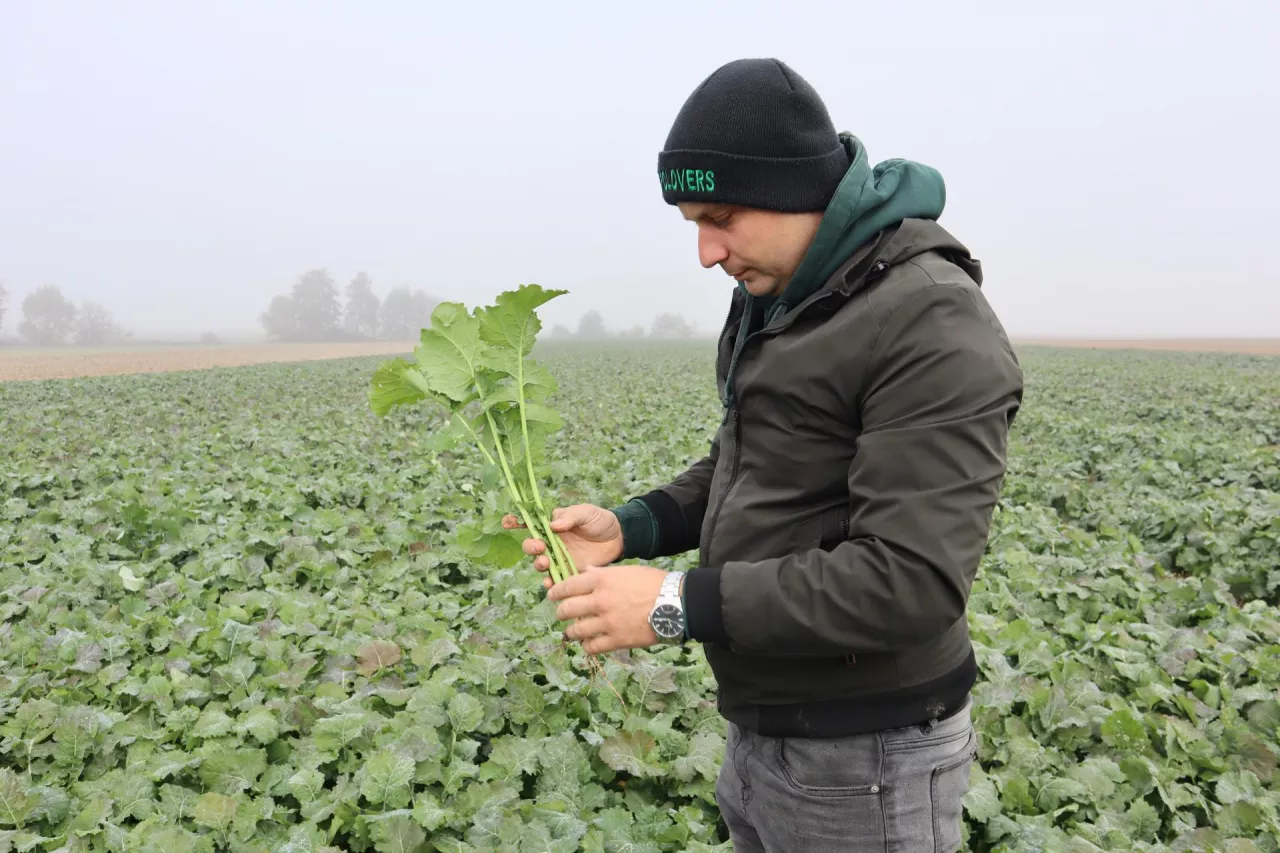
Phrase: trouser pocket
(926, 776)
(948, 784)
(824, 795)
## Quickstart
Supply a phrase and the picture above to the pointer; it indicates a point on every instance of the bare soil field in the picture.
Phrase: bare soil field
(26, 363)
(68, 364)
(1249, 346)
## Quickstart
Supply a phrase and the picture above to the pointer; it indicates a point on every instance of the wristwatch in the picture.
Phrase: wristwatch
(667, 616)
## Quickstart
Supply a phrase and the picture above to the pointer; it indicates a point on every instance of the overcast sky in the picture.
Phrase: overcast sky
(1114, 165)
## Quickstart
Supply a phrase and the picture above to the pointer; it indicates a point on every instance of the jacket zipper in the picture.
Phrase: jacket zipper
(724, 331)
(737, 424)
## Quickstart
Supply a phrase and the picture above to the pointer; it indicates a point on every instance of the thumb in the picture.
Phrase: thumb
(568, 518)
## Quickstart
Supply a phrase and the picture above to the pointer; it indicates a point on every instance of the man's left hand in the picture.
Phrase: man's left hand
(609, 606)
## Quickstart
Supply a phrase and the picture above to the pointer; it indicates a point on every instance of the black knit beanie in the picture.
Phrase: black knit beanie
(754, 133)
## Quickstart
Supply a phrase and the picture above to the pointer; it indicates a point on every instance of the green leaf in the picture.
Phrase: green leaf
(632, 753)
(981, 800)
(396, 833)
(232, 771)
(396, 382)
(333, 733)
(16, 805)
(129, 580)
(512, 322)
(1124, 732)
(500, 548)
(216, 811)
(465, 713)
(706, 751)
(1237, 787)
(385, 777)
(451, 353)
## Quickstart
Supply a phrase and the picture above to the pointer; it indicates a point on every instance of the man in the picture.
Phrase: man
(845, 502)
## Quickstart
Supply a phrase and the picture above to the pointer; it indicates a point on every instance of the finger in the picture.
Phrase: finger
(578, 607)
(579, 584)
(542, 564)
(585, 629)
(547, 583)
(600, 644)
(533, 547)
(510, 522)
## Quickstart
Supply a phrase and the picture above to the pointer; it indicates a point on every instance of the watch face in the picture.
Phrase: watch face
(667, 621)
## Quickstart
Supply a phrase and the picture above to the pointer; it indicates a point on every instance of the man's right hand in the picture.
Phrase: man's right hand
(591, 535)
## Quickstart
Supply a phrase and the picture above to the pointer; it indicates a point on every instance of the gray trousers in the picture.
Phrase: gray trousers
(895, 791)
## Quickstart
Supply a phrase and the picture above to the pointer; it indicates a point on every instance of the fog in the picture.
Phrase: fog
(1113, 165)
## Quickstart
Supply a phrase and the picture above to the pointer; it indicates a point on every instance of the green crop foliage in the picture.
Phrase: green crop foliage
(241, 612)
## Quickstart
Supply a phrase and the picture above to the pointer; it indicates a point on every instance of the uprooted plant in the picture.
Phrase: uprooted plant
(477, 365)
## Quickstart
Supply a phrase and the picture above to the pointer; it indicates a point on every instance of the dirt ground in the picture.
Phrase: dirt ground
(66, 364)
(1249, 346)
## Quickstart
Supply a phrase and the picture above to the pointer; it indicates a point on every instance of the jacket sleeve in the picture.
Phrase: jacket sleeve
(937, 401)
(668, 520)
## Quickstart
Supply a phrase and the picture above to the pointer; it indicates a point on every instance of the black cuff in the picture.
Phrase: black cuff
(678, 529)
(702, 606)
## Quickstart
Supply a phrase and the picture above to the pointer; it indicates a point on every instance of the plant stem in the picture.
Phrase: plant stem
(557, 571)
(561, 564)
(524, 433)
(552, 540)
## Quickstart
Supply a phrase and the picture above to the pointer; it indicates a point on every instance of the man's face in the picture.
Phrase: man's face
(760, 248)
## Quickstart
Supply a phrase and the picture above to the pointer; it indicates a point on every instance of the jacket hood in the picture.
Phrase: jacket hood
(914, 237)
(868, 200)
(899, 197)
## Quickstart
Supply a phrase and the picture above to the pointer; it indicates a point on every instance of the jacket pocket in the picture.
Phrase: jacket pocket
(833, 528)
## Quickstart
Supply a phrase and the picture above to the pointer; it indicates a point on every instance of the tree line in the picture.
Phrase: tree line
(313, 311)
(591, 327)
(51, 319)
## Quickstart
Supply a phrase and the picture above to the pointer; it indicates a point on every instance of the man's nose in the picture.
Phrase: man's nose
(710, 250)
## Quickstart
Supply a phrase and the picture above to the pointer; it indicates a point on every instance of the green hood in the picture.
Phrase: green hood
(868, 200)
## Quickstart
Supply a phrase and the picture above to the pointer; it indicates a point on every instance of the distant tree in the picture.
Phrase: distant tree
(423, 306)
(4, 298)
(591, 325)
(395, 317)
(671, 326)
(405, 313)
(633, 332)
(310, 312)
(281, 319)
(94, 326)
(210, 339)
(48, 317)
(316, 297)
(560, 330)
(361, 316)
